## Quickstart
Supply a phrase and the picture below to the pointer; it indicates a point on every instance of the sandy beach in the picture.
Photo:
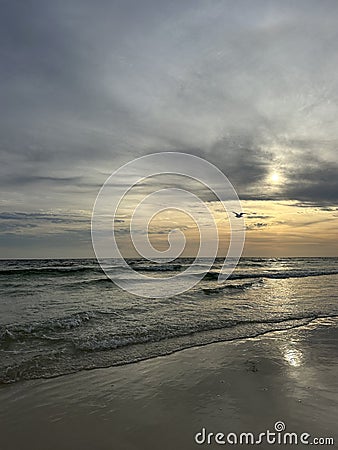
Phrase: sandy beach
(232, 387)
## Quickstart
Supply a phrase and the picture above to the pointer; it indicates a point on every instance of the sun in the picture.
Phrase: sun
(275, 177)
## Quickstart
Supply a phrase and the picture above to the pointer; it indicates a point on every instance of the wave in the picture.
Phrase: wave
(233, 287)
(96, 281)
(92, 342)
(108, 351)
(49, 270)
(158, 268)
(238, 274)
(14, 332)
(99, 343)
(274, 275)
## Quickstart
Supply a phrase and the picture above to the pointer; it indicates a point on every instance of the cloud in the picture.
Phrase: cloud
(255, 226)
(86, 87)
(44, 224)
(43, 217)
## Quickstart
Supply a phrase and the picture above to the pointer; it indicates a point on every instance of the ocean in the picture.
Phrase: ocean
(63, 316)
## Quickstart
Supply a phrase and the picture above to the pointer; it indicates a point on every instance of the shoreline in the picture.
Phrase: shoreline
(242, 385)
(175, 345)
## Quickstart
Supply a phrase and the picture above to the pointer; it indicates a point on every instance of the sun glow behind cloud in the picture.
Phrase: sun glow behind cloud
(275, 177)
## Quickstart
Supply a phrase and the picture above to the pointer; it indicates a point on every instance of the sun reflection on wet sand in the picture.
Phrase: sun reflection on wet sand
(293, 356)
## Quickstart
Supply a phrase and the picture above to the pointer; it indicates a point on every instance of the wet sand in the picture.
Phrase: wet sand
(239, 386)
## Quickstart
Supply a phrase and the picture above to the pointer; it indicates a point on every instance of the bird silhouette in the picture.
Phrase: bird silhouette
(238, 215)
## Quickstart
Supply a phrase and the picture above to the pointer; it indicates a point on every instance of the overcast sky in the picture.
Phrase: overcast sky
(252, 86)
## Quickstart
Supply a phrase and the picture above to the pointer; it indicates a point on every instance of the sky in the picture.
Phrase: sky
(251, 86)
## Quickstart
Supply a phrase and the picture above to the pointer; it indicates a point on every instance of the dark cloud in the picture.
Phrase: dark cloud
(25, 179)
(314, 181)
(45, 217)
(256, 226)
(257, 216)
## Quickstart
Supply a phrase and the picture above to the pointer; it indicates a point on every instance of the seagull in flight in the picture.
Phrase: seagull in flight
(238, 215)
